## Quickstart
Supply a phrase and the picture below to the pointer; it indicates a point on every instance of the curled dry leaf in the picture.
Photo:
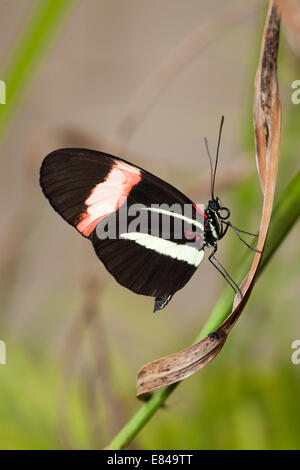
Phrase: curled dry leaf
(267, 127)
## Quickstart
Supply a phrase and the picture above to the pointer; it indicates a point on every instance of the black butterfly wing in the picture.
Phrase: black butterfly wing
(70, 177)
(88, 188)
(144, 270)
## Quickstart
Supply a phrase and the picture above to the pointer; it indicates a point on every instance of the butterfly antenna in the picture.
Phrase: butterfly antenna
(211, 166)
(217, 156)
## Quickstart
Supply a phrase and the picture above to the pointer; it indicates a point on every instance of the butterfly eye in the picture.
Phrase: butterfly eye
(213, 205)
(224, 213)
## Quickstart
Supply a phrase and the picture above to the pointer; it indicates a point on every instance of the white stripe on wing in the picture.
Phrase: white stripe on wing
(177, 251)
(174, 214)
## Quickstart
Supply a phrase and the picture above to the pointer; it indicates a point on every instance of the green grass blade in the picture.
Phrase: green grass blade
(28, 53)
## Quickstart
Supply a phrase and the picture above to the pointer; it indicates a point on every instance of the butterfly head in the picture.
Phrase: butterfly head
(218, 209)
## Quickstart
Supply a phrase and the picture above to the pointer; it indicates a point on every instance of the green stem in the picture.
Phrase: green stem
(27, 54)
(284, 217)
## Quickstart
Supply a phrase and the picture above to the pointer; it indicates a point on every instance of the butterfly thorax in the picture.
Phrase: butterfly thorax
(213, 227)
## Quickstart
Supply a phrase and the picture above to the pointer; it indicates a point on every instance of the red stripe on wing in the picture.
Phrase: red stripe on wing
(200, 211)
(108, 196)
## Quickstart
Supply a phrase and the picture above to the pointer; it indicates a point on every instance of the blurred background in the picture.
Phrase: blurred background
(146, 80)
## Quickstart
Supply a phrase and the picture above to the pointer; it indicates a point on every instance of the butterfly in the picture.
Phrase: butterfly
(153, 254)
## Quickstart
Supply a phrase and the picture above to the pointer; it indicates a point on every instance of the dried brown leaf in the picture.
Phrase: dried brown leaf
(267, 127)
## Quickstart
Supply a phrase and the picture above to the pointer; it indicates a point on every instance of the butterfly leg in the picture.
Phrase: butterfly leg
(223, 272)
(236, 231)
